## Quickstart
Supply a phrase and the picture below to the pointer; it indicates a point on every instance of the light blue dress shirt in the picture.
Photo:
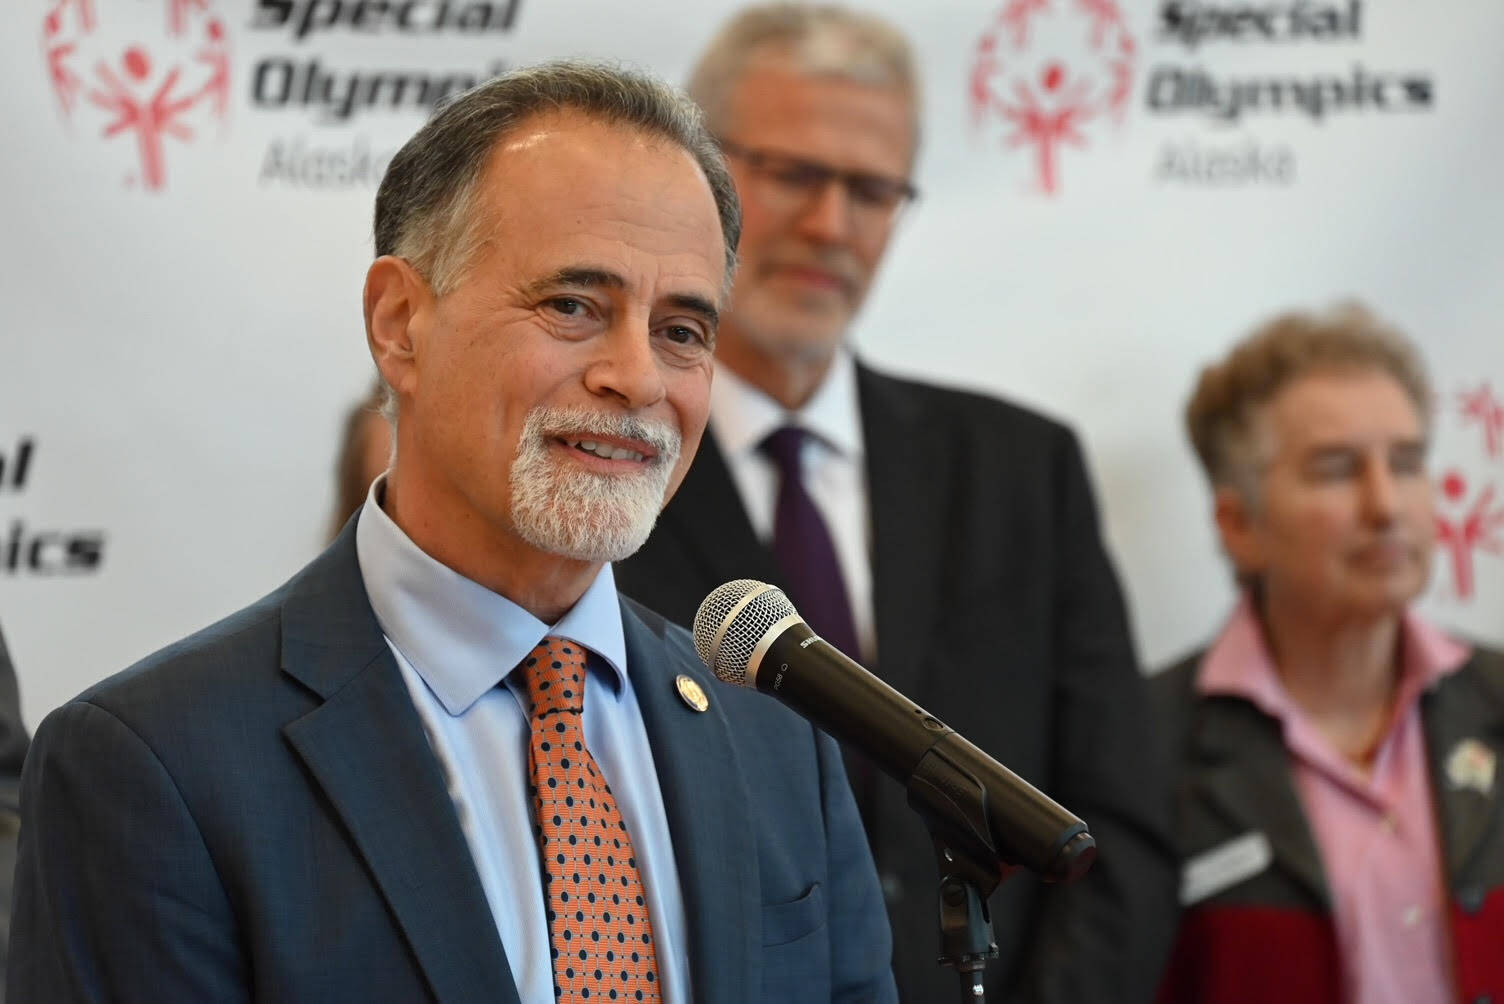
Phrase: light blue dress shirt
(455, 641)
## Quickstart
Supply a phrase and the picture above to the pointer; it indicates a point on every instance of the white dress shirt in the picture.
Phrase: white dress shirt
(457, 643)
(834, 467)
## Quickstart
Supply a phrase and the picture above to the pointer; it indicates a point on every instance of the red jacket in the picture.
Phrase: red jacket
(1269, 936)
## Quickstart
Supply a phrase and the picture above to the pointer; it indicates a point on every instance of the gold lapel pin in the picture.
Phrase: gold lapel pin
(692, 693)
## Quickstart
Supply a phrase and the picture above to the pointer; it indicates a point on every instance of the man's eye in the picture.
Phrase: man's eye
(682, 334)
(1408, 460)
(568, 306)
(880, 193)
(1333, 468)
(797, 175)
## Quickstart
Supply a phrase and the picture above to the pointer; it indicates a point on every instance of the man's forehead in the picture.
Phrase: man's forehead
(1342, 396)
(776, 94)
(834, 63)
(567, 191)
(1329, 410)
(534, 148)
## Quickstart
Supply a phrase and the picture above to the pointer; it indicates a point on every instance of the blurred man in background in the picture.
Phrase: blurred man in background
(1336, 800)
(947, 540)
(447, 761)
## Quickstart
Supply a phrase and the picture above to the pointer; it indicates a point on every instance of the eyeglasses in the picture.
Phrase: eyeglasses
(875, 198)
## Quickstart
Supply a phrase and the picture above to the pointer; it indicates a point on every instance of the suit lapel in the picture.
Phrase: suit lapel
(365, 748)
(708, 517)
(907, 478)
(1244, 772)
(1464, 712)
(706, 806)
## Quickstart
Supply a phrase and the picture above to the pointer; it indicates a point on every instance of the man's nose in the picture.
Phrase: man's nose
(626, 367)
(1380, 493)
(826, 217)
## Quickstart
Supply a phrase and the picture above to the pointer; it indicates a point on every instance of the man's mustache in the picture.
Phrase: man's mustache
(839, 263)
(661, 436)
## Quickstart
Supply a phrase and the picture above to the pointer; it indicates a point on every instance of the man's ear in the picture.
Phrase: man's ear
(397, 303)
(1237, 524)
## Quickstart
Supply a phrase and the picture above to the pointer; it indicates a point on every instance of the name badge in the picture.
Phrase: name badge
(1209, 872)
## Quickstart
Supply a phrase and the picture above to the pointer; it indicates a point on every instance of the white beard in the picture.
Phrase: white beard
(584, 514)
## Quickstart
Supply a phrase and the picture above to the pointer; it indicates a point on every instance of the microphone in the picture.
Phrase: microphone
(749, 634)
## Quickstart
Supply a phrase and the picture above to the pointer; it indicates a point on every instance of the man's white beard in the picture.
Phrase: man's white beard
(585, 514)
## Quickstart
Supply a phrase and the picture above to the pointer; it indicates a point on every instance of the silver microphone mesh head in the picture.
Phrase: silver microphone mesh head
(732, 620)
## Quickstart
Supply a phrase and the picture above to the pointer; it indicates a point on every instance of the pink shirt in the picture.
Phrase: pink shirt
(1377, 835)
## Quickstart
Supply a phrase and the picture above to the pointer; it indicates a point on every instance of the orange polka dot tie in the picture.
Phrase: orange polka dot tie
(598, 927)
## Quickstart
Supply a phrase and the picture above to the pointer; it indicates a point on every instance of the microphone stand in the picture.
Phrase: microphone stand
(965, 927)
(952, 803)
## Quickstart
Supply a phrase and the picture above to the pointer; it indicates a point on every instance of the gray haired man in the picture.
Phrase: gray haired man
(446, 761)
(948, 540)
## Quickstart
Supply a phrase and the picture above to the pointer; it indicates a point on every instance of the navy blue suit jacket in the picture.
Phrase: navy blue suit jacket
(255, 814)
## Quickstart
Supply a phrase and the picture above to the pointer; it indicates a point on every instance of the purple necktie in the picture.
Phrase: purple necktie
(803, 548)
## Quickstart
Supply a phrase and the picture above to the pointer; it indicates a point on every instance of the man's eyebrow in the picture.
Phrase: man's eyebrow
(577, 276)
(1322, 451)
(698, 304)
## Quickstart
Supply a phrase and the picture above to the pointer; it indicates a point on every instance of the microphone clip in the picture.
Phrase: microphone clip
(952, 802)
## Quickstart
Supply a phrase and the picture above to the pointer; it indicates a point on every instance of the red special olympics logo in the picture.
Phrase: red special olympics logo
(1047, 70)
(127, 89)
(1470, 515)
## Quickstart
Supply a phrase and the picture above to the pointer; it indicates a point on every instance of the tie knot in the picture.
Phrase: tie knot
(554, 673)
(782, 446)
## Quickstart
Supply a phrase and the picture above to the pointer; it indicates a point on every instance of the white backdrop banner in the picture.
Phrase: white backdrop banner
(1114, 190)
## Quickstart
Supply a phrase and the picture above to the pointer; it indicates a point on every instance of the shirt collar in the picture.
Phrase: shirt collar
(460, 637)
(742, 416)
(1239, 663)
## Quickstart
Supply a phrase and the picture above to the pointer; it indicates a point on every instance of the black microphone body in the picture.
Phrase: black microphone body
(970, 800)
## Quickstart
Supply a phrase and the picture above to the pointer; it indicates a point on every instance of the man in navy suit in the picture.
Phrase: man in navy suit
(338, 793)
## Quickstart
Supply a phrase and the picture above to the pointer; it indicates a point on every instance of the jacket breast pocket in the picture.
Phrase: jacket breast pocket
(796, 949)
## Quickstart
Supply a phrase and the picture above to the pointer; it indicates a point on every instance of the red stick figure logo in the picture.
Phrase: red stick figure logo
(1046, 71)
(168, 88)
(1476, 529)
(1482, 407)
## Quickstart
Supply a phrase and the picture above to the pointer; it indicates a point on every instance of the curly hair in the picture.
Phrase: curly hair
(1222, 412)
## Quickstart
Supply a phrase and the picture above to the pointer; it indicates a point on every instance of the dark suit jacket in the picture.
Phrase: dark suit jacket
(998, 611)
(1270, 937)
(255, 814)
